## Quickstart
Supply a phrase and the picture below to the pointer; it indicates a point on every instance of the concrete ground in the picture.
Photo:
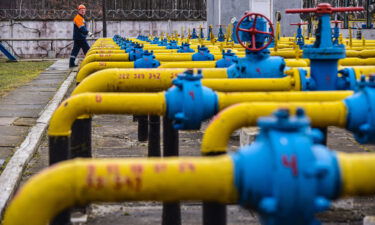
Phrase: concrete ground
(20, 108)
(116, 136)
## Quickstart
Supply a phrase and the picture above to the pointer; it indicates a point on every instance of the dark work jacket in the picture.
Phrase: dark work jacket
(79, 31)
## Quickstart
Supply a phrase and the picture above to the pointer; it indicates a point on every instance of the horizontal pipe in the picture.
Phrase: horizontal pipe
(136, 80)
(216, 137)
(118, 180)
(100, 103)
(228, 99)
(357, 174)
(123, 57)
(251, 84)
(93, 67)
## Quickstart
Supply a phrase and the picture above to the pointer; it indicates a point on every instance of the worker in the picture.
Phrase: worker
(80, 33)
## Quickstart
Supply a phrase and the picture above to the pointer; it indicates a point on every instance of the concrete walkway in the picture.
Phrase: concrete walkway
(24, 116)
(20, 108)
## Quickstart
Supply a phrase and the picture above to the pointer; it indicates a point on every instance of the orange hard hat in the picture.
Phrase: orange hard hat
(81, 7)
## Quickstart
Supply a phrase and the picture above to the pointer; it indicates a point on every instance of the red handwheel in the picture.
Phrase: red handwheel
(253, 31)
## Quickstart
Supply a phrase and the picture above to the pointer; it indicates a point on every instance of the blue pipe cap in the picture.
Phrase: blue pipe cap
(228, 59)
(189, 103)
(284, 174)
(203, 54)
(361, 111)
(147, 61)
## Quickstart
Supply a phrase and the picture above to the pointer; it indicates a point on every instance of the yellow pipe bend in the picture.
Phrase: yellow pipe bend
(357, 174)
(108, 180)
(217, 134)
(98, 103)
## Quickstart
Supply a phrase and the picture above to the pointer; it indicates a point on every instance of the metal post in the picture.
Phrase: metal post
(154, 136)
(214, 213)
(171, 211)
(346, 20)
(104, 18)
(142, 128)
(58, 147)
(80, 145)
(368, 15)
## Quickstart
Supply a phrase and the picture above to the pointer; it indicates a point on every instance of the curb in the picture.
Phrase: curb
(11, 176)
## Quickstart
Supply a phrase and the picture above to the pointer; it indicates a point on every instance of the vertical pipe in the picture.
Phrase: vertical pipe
(214, 213)
(154, 136)
(80, 145)
(142, 128)
(59, 151)
(171, 211)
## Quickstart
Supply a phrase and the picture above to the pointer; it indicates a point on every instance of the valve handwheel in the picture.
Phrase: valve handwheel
(253, 31)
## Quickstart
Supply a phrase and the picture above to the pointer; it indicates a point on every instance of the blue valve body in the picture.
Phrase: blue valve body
(361, 112)
(284, 175)
(185, 48)
(324, 56)
(147, 61)
(189, 103)
(228, 59)
(257, 65)
(203, 54)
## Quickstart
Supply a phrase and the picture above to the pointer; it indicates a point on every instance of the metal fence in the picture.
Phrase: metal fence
(116, 9)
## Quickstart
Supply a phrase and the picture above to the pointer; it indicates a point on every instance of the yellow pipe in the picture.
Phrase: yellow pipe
(188, 64)
(217, 134)
(92, 67)
(228, 99)
(356, 61)
(357, 174)
(124, 57)
(253, 84)
(99, 103)
(105, 51)
(151, 80)
(107, 180)
(212, 64)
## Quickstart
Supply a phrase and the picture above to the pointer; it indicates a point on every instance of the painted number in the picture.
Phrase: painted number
(290, 162)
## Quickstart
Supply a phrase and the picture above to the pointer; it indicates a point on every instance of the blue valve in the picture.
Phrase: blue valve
(324, 53)
(258, 62)
(257, 65)
(185, 48)
(194, 34)
(172, 45)
(220, 35)
(361, 111)
(155, 41)
(147, 61)
(284, 174)
(163, 42)
(203, 54)
(135, 52)
(189, 103)
(228, 59)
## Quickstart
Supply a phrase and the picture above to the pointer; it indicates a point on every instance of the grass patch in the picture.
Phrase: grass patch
(15, 74)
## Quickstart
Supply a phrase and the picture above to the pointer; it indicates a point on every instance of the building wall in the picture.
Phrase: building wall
(221, 11)
(39, 31)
